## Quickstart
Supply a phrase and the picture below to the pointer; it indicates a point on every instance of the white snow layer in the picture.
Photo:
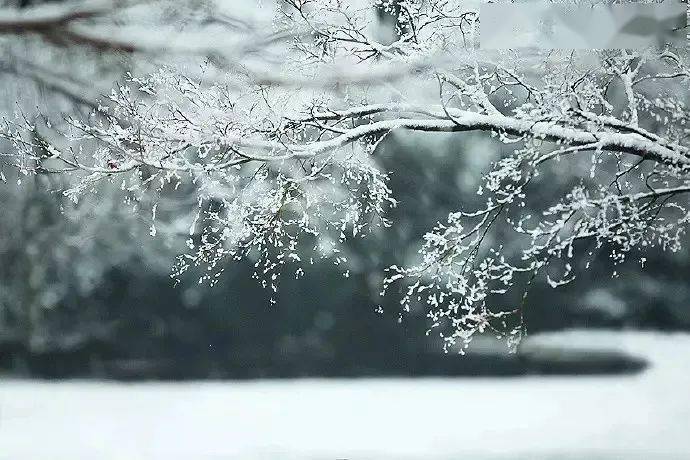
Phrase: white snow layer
(643, 416)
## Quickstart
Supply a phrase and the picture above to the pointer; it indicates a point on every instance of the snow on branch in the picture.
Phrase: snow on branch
(279, 151)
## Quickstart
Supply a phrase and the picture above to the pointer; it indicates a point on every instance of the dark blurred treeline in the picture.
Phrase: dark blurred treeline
(134, 323)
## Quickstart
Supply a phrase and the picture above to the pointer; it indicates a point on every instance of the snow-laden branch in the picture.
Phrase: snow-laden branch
(276, 141)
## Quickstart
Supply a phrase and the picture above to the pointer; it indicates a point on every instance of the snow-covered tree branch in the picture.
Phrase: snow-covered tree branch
(275, 128)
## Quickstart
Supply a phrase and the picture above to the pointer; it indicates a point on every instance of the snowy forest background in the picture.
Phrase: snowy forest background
(86, 291)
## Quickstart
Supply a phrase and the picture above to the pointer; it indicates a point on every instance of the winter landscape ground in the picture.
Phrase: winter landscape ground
(641, 416)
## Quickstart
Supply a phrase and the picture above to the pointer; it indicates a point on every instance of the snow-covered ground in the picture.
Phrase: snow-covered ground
(643, 416)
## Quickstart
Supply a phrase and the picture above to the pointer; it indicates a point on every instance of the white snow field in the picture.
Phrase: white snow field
(642, 416)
